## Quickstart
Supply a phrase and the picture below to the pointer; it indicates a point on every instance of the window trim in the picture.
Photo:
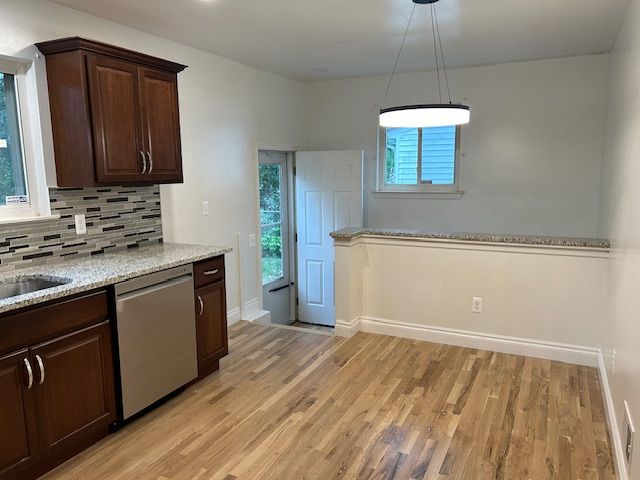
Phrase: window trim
(27, 99)
(420, 187)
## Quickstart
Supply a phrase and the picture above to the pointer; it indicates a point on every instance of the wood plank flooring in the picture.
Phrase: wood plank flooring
(295, 405)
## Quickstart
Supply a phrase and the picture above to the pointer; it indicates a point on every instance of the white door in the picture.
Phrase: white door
(328, 198)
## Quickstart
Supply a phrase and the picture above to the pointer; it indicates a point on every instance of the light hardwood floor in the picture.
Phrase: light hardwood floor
(295, 405)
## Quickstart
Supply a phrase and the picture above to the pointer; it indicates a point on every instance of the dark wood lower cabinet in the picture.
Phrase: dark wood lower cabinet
(19, 448)
(56, 394)
(211, 327)
(75, 393)
(57, 385)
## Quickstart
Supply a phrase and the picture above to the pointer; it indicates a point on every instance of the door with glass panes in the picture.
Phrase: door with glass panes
(273, 169)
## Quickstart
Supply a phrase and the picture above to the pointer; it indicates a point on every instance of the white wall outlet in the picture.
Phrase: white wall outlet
(476, 305)
(252, 240)
(205, 208)
(81, 224)
(628, 433)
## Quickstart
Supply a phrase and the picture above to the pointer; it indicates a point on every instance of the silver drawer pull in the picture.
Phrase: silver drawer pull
(144, 162)
(41, 367)
(150, 162)
(211, 272)
(29, 373)
(201, 305)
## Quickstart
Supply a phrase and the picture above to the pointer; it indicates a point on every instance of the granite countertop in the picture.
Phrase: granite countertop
(86, 274)
(531, 240)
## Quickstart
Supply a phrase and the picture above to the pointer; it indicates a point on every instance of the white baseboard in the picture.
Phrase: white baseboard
(347, 329)
(258, 316)
(618, 450)
(252, 312)
(233, 316)
(462, 338)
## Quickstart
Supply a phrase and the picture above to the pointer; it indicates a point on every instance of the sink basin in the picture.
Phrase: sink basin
(17, 287)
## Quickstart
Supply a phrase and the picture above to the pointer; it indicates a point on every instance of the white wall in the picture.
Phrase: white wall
(542, 295)
(532, 152)
(224, 108)
(620, 221)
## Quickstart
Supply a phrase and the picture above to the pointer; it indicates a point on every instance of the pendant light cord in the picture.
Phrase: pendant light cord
(395, 66)
(444, 66)
(435, 51)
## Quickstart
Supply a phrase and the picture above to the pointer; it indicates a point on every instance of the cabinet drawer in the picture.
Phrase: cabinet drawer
(208, 271)
(42, 323)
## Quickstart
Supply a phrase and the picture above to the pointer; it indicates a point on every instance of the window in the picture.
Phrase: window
(420, 159)
(13, 182)
(23, 187)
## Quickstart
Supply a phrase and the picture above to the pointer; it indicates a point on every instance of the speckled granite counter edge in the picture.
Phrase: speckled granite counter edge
(516, 240)
(94, 273)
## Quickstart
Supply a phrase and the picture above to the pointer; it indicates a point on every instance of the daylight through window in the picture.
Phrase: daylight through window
(421, 157)
(13, 184)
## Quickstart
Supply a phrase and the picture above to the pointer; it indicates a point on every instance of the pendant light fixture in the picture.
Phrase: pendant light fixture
(431, 114)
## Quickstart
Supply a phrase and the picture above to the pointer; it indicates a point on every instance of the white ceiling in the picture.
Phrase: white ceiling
(321, 39)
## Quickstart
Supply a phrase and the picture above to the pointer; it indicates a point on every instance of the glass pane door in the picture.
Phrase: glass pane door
(271, 222)
(274, 230)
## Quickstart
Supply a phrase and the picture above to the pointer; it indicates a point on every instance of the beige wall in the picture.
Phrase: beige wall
(540, 294)
(531, 155)
(224, 108)
(620, 221)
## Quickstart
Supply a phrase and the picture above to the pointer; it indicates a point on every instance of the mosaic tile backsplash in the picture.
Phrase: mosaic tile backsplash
(117, 218)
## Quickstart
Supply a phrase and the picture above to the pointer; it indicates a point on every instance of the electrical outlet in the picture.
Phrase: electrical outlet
(252, 240)
(205, 208)
(628, 433)
(81, 224)
(476, 305)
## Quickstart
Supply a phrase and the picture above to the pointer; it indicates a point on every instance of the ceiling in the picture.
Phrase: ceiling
(320, 39)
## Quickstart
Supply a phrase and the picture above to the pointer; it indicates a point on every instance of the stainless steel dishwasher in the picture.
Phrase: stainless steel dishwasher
(156, 336)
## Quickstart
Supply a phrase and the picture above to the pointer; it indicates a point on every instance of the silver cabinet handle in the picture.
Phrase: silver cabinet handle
(201, 305)
(29, 373)
(144, 162)
(150, 162)
(41, 367)
(211, 272)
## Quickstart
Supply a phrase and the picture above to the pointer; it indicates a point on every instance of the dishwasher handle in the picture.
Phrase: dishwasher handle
(151, 279)
(153, 288)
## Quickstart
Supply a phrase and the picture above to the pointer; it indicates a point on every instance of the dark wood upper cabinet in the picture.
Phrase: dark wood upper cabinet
(18, 434)
(114, 114)
(159, 97)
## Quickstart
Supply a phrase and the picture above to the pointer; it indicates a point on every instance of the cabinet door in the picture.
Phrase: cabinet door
(211, 324)
(75, 388)
(116, 120)
(161, 125)
(18, 431)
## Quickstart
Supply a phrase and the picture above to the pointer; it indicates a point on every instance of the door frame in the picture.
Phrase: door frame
(290, 150)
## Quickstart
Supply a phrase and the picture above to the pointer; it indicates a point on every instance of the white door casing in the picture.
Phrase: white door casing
(328, 198)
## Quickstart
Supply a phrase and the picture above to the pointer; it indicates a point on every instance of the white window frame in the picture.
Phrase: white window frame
(38, 208)
(421, 187)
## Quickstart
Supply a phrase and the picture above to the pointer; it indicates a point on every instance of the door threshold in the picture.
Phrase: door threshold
(317, 329)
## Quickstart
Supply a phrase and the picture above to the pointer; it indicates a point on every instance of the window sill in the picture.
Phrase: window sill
(17, 220)
(418, 195)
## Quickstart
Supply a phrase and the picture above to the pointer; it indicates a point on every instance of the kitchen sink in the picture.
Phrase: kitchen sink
(13, 288)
